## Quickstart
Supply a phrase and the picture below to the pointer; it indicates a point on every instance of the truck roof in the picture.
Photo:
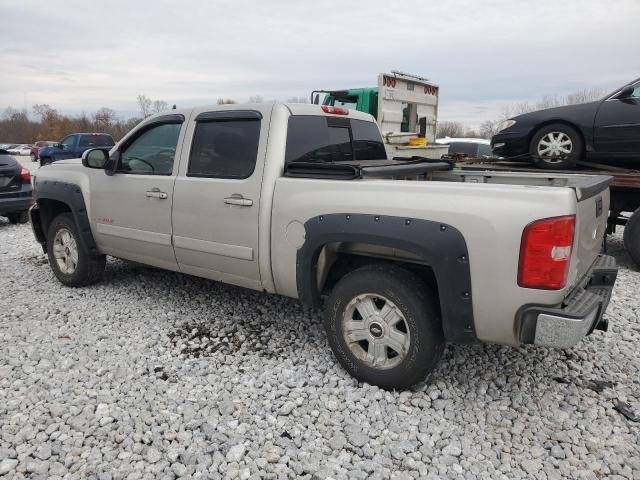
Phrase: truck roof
(294, 108)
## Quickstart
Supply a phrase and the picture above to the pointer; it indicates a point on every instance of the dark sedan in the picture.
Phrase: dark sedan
(607, 129)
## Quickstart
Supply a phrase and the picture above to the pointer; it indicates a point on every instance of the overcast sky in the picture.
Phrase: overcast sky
(82, 55)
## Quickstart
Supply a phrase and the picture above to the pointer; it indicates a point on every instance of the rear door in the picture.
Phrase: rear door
(617, 126)
(132, 208)
(217, 194)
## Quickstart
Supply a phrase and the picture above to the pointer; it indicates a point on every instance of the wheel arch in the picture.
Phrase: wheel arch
(52, 199)
(440, 249)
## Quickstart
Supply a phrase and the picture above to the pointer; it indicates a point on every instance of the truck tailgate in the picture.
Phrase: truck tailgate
(592, 195)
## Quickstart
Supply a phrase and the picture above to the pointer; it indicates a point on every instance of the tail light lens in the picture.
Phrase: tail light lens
(335, 110)
(25, 174)
(545, 253)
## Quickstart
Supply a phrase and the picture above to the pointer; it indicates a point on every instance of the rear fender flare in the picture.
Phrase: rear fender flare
(440, 245)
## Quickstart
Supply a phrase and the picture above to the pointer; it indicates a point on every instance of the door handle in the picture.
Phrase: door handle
(156, 193)
(238, 200)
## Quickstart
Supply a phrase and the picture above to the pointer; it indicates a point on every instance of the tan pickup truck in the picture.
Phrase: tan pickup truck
(300, 200)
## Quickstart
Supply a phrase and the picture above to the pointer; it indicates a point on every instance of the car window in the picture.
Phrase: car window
(346, 102)
(463, 148)
(96, 141)
(331, 139)
(69, 141)
(152, 152)
(636, 91)
(224, 149)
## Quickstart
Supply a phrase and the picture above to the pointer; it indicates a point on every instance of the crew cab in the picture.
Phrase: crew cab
(300, 200)
(73, 146)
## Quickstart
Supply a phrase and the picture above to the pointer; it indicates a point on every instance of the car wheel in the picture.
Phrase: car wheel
(34, 158)
(631, 236)
(69, 260)
(556, 146)
(20, 217)
(382, 326)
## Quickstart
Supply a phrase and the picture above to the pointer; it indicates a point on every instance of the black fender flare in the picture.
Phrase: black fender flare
(71, 195)
(440, 245)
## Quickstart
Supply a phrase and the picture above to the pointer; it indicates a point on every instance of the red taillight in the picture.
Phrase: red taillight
(26, 175)
(335, 110)
(545, 253)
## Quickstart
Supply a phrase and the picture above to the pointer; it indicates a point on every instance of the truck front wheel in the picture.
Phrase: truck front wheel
(69, 260)
(383, 327)
(631, 236)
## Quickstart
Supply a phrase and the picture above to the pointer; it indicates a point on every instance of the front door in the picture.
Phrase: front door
(217, 195)
(132, 208)
(67, 148)
(617, 126)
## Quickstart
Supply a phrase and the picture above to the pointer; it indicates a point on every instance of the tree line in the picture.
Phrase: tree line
(47, 123)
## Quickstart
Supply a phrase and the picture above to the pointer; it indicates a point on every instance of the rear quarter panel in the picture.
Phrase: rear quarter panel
(490, 217)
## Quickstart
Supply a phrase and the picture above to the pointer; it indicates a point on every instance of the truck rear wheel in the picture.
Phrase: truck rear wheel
(382, 326)
(69, 260)
(631, 236)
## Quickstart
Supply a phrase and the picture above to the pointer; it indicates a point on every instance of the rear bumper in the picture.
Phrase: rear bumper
(581, 312)
(17, 202)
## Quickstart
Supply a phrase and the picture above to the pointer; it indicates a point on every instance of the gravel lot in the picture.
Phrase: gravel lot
(151, 374)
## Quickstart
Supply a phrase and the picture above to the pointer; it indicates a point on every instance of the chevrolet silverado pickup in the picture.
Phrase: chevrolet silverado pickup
(301, 200)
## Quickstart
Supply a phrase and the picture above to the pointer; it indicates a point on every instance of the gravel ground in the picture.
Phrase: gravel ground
(151, 374)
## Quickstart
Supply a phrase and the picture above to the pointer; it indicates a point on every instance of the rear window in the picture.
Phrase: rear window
(332, 139)
(96, 141)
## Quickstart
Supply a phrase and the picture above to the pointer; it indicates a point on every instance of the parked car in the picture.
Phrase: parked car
(300, 200)
(35, 148)
(21, 149)
(16, 193)
(467, 147)
(604, 130)
(73, 146)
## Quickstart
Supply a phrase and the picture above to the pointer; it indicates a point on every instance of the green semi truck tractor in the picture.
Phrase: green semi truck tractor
(405, 107)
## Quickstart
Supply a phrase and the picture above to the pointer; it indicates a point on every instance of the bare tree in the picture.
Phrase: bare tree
(489, 128)
(449, 129)
(160, 106)
(145, 104)
(584, 96)
(225, 101)
(104, 118)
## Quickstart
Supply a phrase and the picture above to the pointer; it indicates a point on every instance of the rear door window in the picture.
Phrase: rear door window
(332, 139)
(224, 149)
(96, 141)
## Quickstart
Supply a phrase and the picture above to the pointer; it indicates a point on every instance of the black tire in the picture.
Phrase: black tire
(89, 268)
(19, 217)
(418, 306)
(555, 163)
(631, 237)
(44, 161)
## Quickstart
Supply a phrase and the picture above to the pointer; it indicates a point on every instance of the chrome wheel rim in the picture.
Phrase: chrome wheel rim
(376, 331)
(554, 146)
(65, 251)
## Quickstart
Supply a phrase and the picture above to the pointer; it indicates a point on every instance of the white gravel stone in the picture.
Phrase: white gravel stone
(154, 374)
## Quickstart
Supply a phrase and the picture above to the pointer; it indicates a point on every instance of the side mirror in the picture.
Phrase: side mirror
(59, 145)
(626, 92)
(95, 158)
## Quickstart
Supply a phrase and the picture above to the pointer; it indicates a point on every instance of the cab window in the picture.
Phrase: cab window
(152, 152)
(224, 149)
